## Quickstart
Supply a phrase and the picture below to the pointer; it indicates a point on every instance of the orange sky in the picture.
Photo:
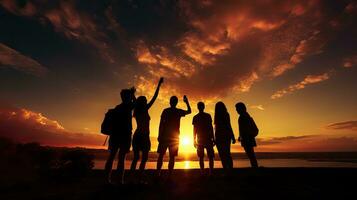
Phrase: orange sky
(63, 64)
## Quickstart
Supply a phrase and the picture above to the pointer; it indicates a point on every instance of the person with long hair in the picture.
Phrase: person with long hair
(224, 135)
(141, 138)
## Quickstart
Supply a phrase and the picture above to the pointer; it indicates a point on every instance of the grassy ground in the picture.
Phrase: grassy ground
(265, 183)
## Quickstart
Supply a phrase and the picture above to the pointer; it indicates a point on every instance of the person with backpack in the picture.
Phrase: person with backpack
(141, 137)
(248, 130)
(117, 124)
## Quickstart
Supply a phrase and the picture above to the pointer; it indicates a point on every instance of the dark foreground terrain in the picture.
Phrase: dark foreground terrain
(265, 183)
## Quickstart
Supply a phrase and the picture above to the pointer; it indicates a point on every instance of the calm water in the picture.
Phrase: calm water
(99, 164)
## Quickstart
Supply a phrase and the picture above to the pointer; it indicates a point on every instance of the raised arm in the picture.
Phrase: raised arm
(188, 111)
(156, 93)
(133, 98)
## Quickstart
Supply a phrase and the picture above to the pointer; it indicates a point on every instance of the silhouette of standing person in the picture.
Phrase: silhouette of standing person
(224, 135)
(120, 134)
(141, 138)
(248, 130)
(203, 136)
(169, 132)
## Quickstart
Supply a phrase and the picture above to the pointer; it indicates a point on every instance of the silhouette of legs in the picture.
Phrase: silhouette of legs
(171, 164)
(221, 155)
(109, 164)
(251, 155)
(120, 167)
(135, 160)
(200, 154)
(224, 151)
(229, 160)
(144, 158)
(202, 164)
(211, 163)
(136, 157)
(159, 163)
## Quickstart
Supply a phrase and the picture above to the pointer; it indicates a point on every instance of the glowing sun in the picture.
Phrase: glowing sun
(186, 144)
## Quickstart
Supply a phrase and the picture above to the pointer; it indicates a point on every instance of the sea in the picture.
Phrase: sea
(285, 160)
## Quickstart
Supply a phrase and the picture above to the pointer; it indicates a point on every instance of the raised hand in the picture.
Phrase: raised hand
(133, 90)
(185, 99)
(161, 80)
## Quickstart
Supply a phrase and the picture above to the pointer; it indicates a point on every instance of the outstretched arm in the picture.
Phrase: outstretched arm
(188, 111)
(156, 93)
(133, 98)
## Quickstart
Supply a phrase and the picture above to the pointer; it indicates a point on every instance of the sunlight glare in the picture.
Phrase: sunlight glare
(186, 144)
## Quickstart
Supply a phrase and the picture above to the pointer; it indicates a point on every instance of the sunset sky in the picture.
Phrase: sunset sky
(294, 63)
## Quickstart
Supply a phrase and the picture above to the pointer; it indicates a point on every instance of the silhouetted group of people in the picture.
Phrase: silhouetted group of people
(117, 124)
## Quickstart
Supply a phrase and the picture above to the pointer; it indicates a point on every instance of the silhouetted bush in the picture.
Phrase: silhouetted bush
(7, 146)
(75, 164)
(50, 163)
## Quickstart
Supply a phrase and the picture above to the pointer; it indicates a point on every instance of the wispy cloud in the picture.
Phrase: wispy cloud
(161, 62)
(350, 61)
(278, 140)
(308, 80)
(206, 48)
(70, 21)
(346, 125)
(258, 107)
(307, 143)
(307, 47)
(11, 58)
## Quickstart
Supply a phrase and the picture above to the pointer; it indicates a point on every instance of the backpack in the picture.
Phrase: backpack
(108, 122)
(253, 127)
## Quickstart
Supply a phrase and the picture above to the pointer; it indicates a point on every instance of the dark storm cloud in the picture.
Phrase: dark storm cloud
(204, 48)
(72, 20)
(27, 126)
(234, 44)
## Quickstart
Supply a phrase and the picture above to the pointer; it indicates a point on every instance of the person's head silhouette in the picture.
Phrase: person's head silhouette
(173, 101)
(220, 108)
(240, 107)
(200, 106)
(125, 95)
(141, 101)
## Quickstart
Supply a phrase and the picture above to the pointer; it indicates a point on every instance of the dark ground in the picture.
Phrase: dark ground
(264, 183)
